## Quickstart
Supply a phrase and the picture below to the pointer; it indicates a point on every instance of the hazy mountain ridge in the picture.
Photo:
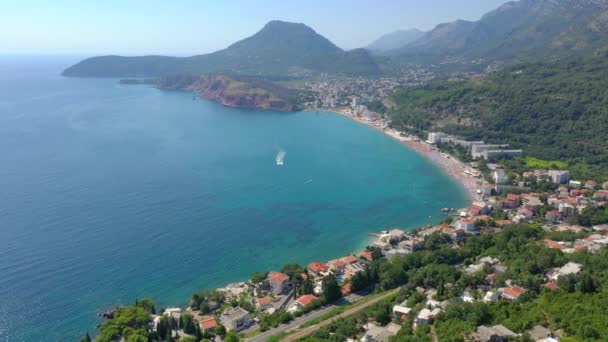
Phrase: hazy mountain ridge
(394, 40)
(278, 49)
(518, 30)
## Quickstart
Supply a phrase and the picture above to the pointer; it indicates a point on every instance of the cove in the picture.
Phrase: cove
(112, 193)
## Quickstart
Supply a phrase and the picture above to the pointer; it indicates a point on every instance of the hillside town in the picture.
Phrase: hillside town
(338, 92)
(548, 199)
(563, 210)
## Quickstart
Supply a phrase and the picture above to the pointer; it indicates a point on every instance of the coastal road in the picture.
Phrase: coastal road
(353, 298)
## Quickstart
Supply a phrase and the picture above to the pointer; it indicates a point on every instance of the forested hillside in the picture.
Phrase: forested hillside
(554, 111)
(278, 49)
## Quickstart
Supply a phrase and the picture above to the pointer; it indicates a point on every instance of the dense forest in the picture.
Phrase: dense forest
(556, 111)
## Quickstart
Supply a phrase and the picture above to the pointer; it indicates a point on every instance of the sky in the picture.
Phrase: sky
(186, 27)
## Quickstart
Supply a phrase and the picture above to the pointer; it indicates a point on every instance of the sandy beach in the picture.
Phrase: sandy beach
(450, 165)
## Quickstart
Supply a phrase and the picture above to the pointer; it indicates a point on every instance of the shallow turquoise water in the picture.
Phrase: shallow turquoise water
(112, 193)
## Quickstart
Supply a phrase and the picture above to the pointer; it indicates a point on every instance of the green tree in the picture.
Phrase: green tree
(331, 289)
(204, 308)
(220, 330)
(307, 287)
(147, 304)
(258, 277)
(86, 338)
(188, 339)
(187, 323)
(232, 337)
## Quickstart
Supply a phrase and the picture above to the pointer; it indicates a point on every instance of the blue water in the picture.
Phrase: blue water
(110, 193)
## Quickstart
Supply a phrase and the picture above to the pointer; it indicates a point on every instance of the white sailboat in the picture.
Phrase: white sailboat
(280, 157)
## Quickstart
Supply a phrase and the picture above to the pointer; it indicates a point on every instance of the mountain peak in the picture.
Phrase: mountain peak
(280, 24)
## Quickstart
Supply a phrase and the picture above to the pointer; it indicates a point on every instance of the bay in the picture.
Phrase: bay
(110, 193)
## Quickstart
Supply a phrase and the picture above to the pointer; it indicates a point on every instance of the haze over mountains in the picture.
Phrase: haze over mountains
(278, 49)
(525, 30)
(394, 40)
(522, 30)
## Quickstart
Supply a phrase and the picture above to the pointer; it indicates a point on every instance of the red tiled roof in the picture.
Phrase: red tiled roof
(318, 267)
(338, 263)
(551, 286)
(514, 291)
(346, 289)
(306, 299)
(491, 276)
(367, 255)
(504, 222)
(278, 277)
(349, 259)
(208, 323)
(264, 301)
(552, 244)
(304, 275)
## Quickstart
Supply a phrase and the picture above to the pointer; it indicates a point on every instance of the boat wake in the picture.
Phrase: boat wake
(280, 158)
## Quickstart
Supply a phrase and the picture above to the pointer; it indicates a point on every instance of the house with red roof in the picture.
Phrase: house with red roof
(346, 289)
(512, 293)
(349, 259)
(278, 282)
(479, 209)
(302, 302)
(336, 266)
(263, 303)
(504, 223)
(551, 285)
(366, 255)
(208, 324)
(553, 244)
(317, 268)
(590, 184)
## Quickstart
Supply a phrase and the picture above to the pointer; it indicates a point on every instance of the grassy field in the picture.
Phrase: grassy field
(536, 163)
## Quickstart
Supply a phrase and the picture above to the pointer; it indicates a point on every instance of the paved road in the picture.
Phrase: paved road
(309, 330)
(316, 314)
(352, 298)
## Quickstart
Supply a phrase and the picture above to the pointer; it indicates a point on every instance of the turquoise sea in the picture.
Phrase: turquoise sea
(110, 193)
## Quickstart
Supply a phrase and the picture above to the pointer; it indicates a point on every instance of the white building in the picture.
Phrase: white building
(426, 316)
(491, 297)
(500, 177)
(566, 209)
(559, 176)
(235, 319)
(435, 137)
